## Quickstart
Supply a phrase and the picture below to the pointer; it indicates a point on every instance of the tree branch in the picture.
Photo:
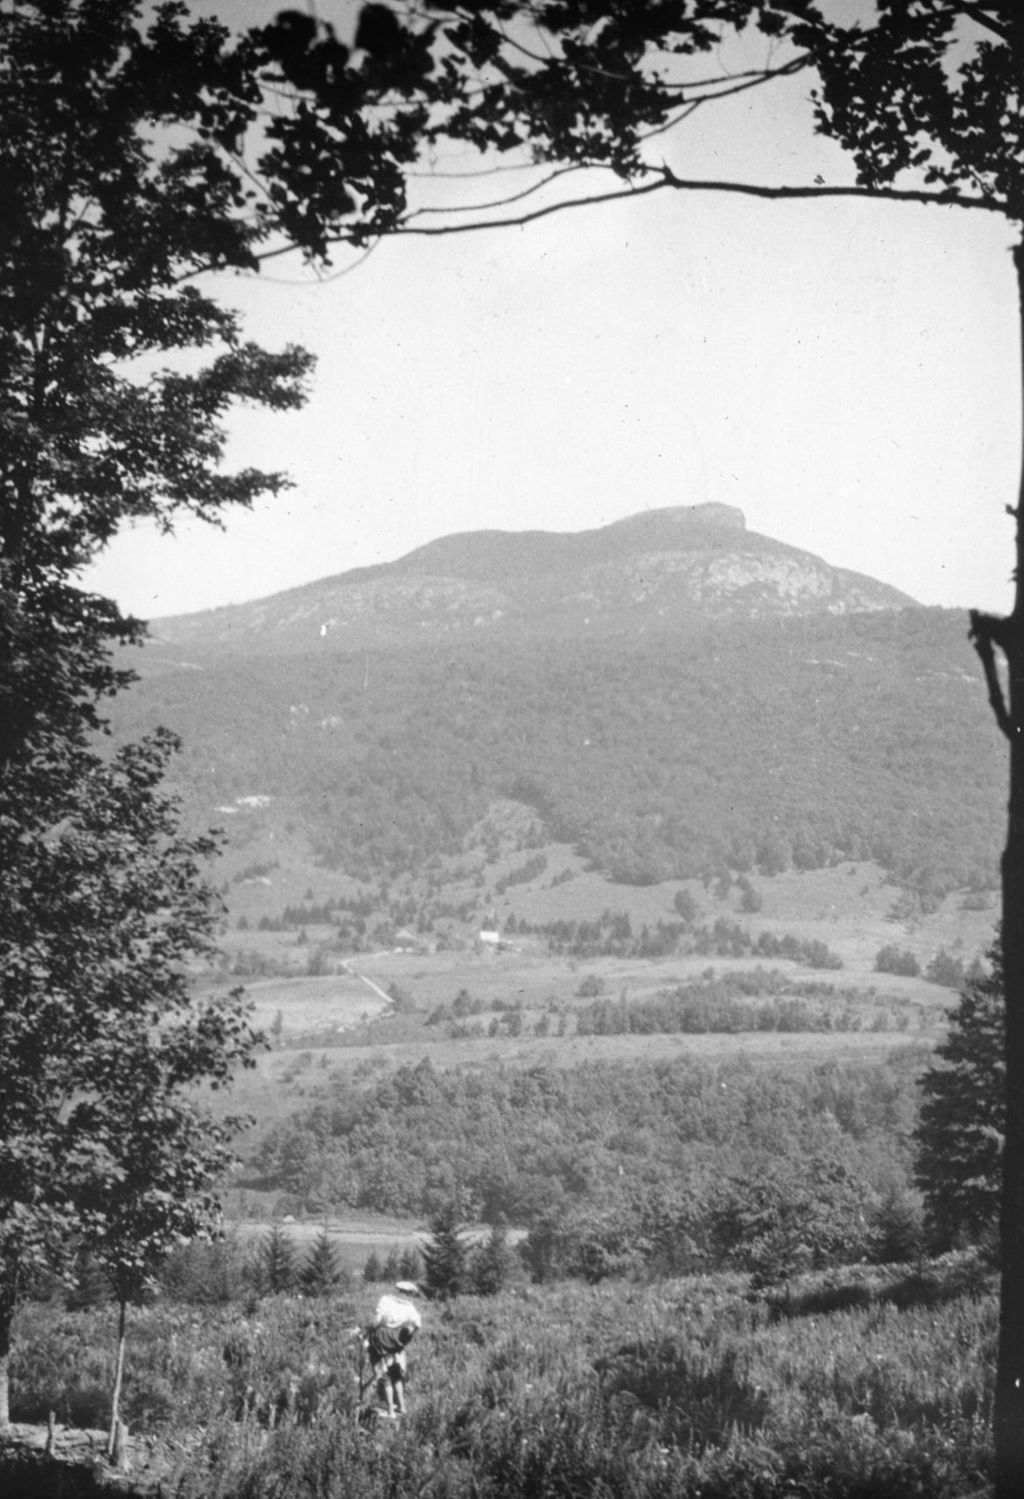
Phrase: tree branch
(665, 177)
(947, 196)
(979, 15)
(498, 202)
(986, 632)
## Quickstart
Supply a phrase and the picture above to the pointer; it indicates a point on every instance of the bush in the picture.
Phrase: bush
(891, 959)
(590, 987)
(946, 970)
(204, 1273)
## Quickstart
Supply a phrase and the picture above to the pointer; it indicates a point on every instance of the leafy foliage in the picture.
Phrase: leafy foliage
(102, 1044)
(892, 959)
(114, 153)
(627, 1158)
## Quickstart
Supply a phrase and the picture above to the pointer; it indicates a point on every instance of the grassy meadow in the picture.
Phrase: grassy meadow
(328, 1027)
(851, 908)
(860, 1384)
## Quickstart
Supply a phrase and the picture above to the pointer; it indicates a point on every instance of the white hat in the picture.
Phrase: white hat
(409, 1287)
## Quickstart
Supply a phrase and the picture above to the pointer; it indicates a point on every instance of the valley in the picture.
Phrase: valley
(522, 832)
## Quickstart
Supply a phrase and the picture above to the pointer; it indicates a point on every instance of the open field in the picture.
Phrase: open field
(850, 908)
(538, 983)
(354, 1238)
(312, 1004)
(798, 1050)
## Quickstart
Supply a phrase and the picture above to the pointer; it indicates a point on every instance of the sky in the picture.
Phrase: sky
(846, 373)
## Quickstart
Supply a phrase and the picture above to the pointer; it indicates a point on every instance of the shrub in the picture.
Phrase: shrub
(946, 970)
(590, 987)
(204, 1273)
(901, 961)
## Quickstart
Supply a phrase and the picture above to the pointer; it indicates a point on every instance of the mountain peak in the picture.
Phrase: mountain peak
(709, 514)
(660, 571)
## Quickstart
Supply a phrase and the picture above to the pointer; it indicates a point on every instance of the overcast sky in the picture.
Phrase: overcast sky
(844, 372)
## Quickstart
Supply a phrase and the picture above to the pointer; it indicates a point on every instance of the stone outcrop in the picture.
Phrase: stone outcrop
(661, 570)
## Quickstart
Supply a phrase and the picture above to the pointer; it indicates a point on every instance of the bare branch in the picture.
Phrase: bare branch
(499, 202)
(666, 178)
(985, 633)
(404, 228)
(947, 196)
(739, 83)
(980, 16)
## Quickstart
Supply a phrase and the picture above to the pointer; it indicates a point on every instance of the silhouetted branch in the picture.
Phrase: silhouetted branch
(986, 632)
(498, 202)
(947, 196)
(981, 17)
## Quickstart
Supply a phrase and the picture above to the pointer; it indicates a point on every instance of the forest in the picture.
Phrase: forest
(746, 747)
(618, 1138)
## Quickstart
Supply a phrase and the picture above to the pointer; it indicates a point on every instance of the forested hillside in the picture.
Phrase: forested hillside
(604, 1140)
(751, 745)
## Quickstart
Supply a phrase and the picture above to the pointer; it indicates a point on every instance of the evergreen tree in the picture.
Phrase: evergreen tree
(321, 1274)
(446, 1253)
(278, 1271)
(373, 1270)
(411, 1267)
(494, 1261)
(961, 1128)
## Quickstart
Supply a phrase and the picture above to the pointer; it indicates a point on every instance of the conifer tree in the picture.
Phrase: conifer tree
(493, 1263)
(411, 1266)
(278, 1271)
(373, 1270)
(321, 1274)
(961, 1128)
(446, 1253)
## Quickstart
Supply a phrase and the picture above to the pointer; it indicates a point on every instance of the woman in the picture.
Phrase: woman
(395, 1323)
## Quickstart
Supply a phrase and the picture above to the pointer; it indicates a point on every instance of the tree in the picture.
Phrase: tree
(961, 1128)
(494, 1261)
(893, 959)
(446, 1253)
(792, 1215)
(104, 1140)
(321, 1274)
(119, 185)
(275, 1272)
(134, 159)
(945, 969)
(159, 1154)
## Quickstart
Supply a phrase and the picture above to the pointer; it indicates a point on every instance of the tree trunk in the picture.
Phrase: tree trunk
(1009, 1395)
(115, 1402)
(5, 1388)
(7, 1302)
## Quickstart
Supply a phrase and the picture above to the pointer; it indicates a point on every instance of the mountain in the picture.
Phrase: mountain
(668, 696)
(656, 572)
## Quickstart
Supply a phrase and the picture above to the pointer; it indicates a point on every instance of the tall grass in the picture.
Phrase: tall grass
(621, 1391)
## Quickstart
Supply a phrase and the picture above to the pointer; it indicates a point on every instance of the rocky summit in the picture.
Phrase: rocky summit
(657, 571)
